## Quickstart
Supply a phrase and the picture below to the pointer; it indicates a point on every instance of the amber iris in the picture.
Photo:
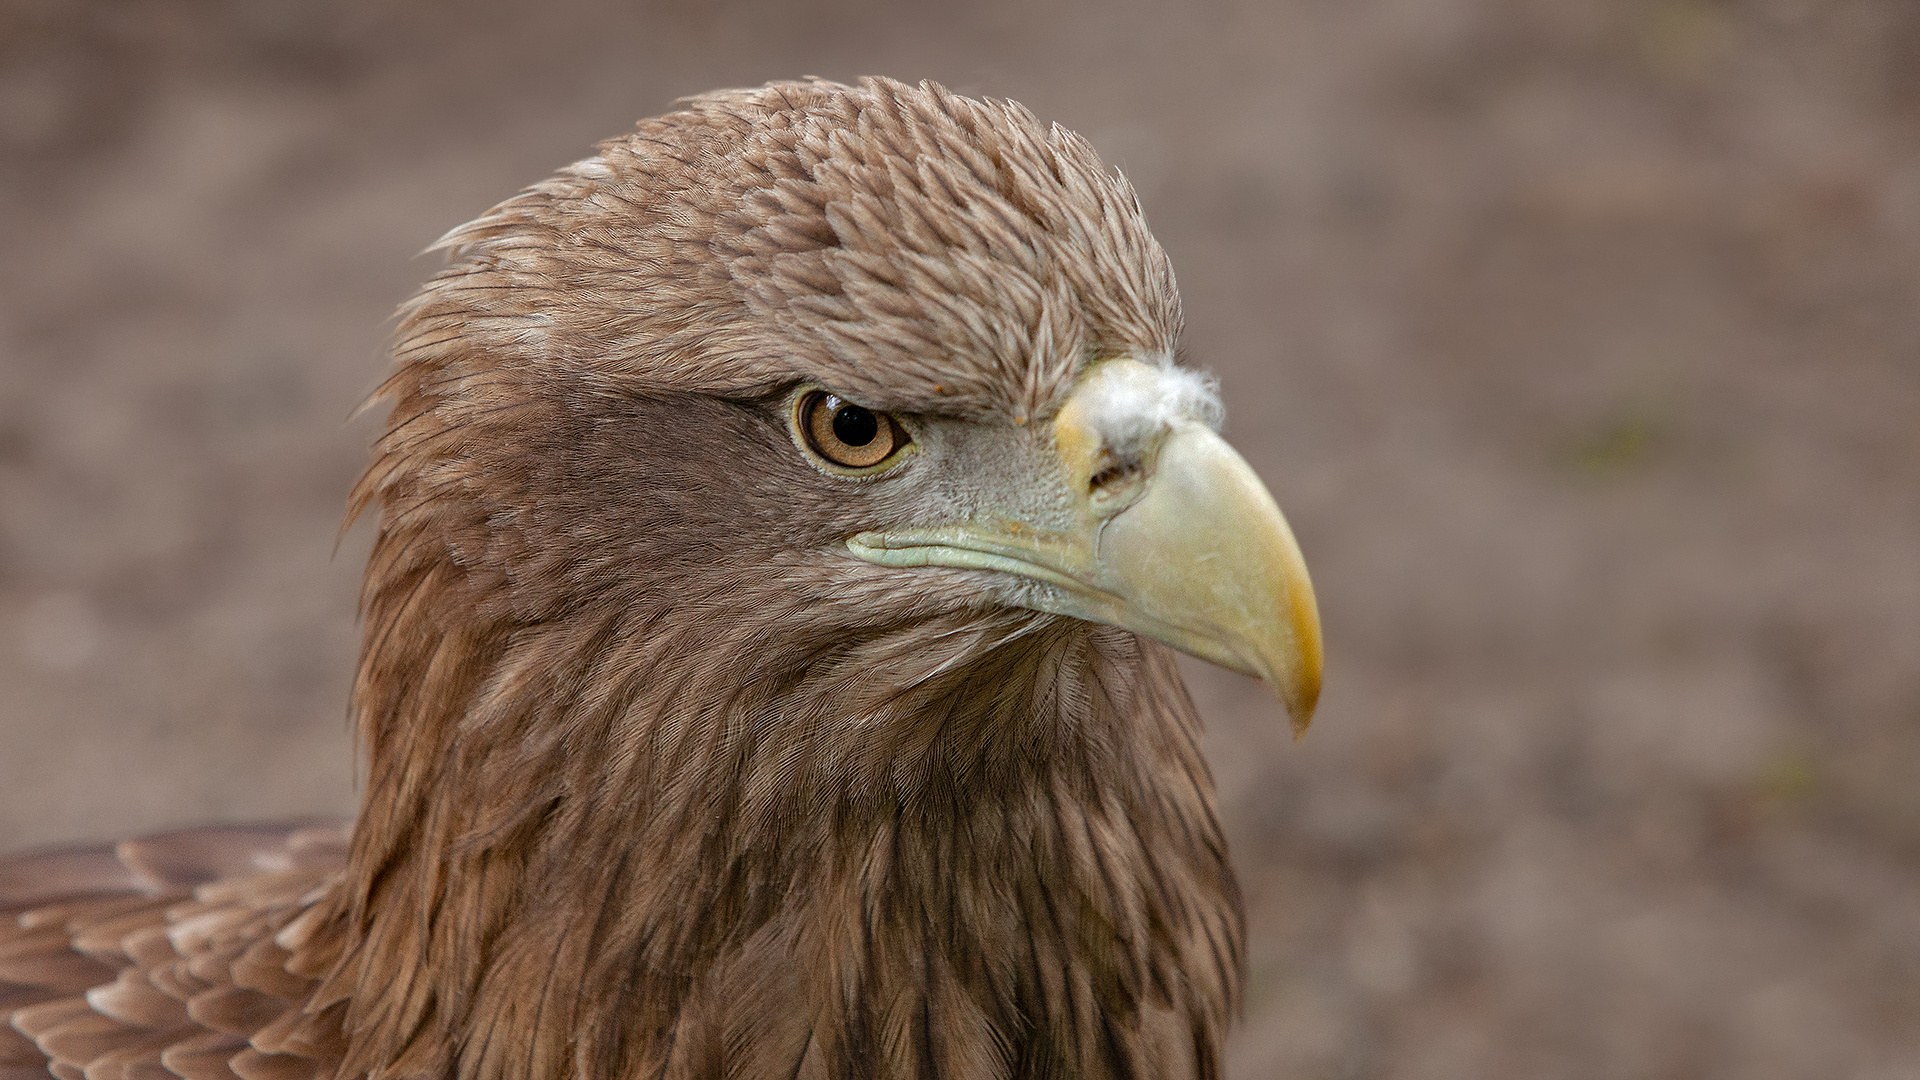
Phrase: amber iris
(848, 435)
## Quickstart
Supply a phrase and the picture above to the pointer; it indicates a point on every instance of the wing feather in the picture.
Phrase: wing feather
(163, 957)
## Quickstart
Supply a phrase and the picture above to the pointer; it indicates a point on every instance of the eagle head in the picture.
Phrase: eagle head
(783, 519)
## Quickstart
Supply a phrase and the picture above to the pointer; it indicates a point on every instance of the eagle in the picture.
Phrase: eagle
(787, 522)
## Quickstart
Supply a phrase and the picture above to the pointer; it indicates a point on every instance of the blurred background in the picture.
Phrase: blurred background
(1579, 338)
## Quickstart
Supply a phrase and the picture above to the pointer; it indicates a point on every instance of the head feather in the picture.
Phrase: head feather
(904, 245)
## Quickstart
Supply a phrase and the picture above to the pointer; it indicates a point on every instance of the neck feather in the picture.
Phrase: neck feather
(669, 841)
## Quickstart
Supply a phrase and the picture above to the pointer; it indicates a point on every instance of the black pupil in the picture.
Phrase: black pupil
(854, 425)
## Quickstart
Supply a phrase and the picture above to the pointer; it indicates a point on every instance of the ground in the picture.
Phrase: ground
(1579, 339)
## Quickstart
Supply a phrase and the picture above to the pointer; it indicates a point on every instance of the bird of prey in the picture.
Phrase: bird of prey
(785, 527)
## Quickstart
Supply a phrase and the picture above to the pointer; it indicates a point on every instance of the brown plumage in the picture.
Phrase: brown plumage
(663, 781)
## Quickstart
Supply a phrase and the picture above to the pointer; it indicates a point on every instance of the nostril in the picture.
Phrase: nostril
(1115, 484)
(1111, 472)
(1112, 469)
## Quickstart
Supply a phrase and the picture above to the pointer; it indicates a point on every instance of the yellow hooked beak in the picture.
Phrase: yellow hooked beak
(1175, 538)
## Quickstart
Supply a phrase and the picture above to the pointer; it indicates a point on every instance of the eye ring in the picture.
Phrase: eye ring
(847, 438)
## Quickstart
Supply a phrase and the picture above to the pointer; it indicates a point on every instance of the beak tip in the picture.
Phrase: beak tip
(1305, 696)
(1300, 705)
(1298, 687)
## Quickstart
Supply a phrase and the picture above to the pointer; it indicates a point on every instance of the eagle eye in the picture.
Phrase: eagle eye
(845, 436)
